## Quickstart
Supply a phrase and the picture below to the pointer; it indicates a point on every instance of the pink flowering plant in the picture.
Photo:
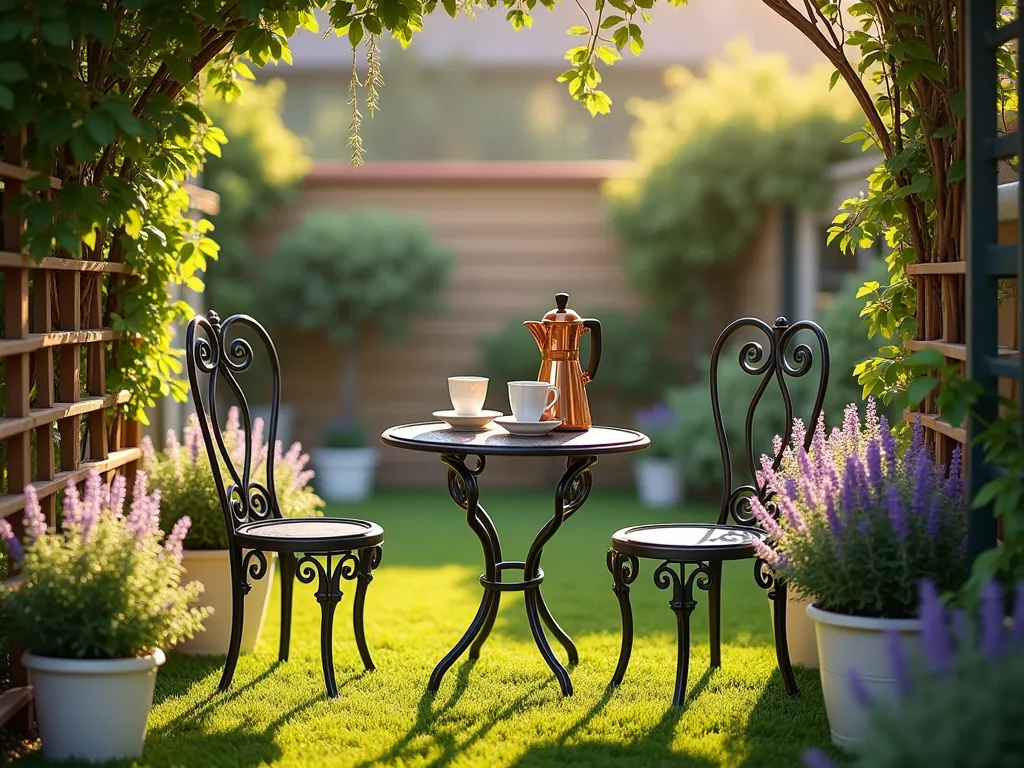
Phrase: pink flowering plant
(107, 585)
(859, 523)
(182, 474)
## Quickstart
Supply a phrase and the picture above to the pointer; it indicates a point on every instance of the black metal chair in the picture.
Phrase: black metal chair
(331, 549)
(692, 554)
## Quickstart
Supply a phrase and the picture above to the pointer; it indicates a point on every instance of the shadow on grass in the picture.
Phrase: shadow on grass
(653, 749)
(781, 727)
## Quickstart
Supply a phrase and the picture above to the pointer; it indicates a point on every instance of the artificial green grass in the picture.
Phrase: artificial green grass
(506, 708)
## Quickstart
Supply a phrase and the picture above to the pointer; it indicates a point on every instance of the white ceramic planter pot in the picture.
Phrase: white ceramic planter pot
(92, 709)
(344, 474)
(800, 634)
(212, 569)
(658, 482)
(856, 643)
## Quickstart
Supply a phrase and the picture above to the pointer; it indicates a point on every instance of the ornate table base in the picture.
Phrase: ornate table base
(572, 493)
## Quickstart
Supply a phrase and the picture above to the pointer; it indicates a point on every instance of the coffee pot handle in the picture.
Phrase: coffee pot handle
(594, 326)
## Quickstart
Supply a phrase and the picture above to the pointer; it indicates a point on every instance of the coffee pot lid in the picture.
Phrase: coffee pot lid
(562, 314)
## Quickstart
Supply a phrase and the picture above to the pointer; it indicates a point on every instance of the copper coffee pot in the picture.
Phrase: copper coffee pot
(558, 337)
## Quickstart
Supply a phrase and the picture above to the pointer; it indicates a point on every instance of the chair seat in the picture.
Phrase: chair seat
(689, 542)
(309, 534)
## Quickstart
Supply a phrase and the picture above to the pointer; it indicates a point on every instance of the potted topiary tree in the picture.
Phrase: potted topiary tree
(95, 604)
(347, 275)
(182, 474)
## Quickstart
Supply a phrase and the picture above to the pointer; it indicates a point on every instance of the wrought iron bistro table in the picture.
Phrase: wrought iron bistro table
(581, 450)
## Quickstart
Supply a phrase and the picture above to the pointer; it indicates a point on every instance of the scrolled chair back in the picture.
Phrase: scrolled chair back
(776, 360)
(217, 356)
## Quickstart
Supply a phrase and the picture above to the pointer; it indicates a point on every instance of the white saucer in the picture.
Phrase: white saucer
(526, 428)
(474, 423)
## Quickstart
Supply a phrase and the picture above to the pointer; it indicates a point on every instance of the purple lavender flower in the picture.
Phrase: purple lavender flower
(924, 486)
(871, 421)
(815, 758)
(658, 416)
(789, 489)
(33, 518)
(851, 424)
(859, 689)
(874, 459)
(897, 513)
(71, 510)
(764, 518)
(848, 501)
(148, 452)
(92, 503)
(931, 523)
(11, 541)
(118, 491)
(888, 444)
(835, 524)
(954, 484)
(992, 620)
(934, 633)
(174, 544)
(792, 514)
(193, 440)
(898, 658)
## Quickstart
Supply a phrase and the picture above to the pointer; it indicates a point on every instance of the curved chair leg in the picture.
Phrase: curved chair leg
(779, 596)
(327, 608)
(715, 614)
(287, 590)
(368, 560)
(682, 604)
(624, 570)
(239, 588)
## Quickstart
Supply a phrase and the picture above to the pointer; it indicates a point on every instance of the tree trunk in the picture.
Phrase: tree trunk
(348, 391)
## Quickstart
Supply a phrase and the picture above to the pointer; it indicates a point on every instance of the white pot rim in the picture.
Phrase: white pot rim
(861, 622)
(93, 666)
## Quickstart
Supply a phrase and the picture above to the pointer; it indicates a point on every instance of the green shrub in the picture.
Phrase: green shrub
(182, 474)
(713, 155)
(696, 440)
(351, 274)
(105, 586)
(635, 365)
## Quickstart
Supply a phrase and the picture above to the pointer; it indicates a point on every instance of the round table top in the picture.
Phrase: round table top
(438, 437)
(672, 541)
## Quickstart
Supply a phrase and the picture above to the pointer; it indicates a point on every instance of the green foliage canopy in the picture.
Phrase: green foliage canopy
(347, 273)
(713, 155)
(258, 171)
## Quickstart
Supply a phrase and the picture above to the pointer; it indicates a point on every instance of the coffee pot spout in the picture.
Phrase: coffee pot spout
(539, 331)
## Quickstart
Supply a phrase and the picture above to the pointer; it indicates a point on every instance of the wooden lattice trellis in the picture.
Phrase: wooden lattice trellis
(59, 420)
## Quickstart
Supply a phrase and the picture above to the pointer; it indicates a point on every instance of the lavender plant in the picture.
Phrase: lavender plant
(858, 524)
(105, 586)
(960, 705)
(182, 473)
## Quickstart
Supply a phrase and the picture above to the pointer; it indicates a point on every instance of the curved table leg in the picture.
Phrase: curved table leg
(573, 490)
(465, 492)
(492, 614)
(560, 634)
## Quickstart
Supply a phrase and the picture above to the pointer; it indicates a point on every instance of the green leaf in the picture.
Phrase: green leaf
(132, 223)
(355, 33)
(56, 33)
(611, 21)
(608, 54)
(868, 288)
(835, 79)
(957, 171)
(920, 388)
(6, 97)
(100, 126)
(854, 137)
(926, 358)
(577, 30)
(12, 72)
(621, 37)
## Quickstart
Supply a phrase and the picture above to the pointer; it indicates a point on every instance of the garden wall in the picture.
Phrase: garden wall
(521, 232)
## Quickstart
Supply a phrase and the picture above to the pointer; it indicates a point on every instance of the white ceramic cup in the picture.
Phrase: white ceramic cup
(467, 393)
(529, 399)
